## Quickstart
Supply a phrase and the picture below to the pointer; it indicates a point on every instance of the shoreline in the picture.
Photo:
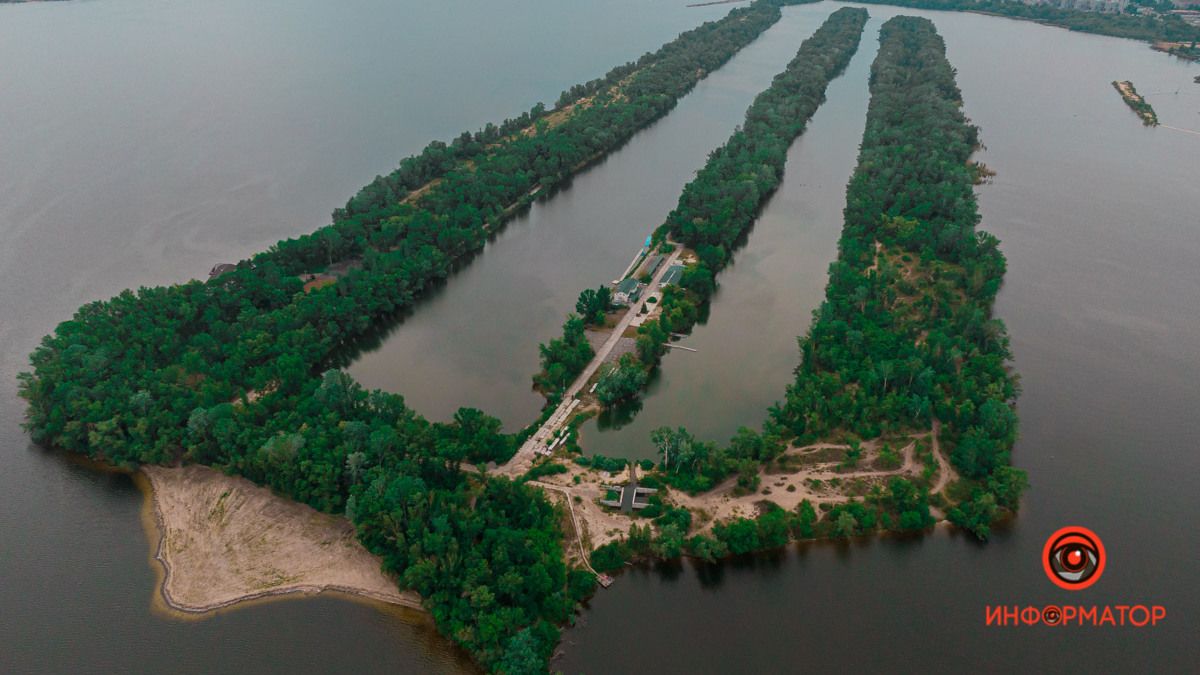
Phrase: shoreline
(168, 571)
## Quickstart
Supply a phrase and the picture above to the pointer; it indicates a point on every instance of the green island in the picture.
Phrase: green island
(1136, 103)
(234, 373)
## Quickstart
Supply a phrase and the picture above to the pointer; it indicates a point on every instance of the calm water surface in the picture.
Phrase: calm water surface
(142, 142)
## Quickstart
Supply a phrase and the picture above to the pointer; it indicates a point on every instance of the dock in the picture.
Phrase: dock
(690, 349)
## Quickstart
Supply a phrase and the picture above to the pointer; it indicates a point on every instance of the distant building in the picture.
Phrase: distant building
(672, 275)
(1106, 6)
(219, 269)
(627, 291)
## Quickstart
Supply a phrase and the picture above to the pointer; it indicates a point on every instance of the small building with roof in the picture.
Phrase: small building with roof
(627, 291)
(652, 265)
(628, 497)
(672, 276)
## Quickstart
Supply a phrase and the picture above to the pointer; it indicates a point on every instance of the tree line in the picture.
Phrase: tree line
(906, 331)
(233, 373)
(1168, 27)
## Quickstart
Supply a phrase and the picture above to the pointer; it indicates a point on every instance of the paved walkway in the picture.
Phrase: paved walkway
(549, 430)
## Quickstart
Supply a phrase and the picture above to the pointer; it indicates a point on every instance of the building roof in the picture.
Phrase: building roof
(653, 264)
(672, 275)
(221, 268)
(628, 286)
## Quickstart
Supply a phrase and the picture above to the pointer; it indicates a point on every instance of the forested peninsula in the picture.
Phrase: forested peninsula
(906, 334)
(903, 367)
(233, 373)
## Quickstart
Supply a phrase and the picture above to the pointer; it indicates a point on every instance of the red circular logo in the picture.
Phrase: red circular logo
(1074, 558)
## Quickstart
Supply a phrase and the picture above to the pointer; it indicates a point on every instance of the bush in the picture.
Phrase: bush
(622, 382)
(739, 535)
(706, 548)
(544, 469)
(610, 556)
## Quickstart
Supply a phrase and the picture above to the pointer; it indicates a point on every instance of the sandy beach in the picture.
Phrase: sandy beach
(221, 540)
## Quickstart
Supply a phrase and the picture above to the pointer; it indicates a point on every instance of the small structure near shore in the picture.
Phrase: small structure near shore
(672, 276)
(652, 265)
(629, 496)
(627, 291)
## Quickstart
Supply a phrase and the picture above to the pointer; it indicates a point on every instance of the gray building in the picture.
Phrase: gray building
(627, 291)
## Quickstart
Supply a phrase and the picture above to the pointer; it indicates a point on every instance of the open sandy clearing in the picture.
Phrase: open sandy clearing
(223, 540)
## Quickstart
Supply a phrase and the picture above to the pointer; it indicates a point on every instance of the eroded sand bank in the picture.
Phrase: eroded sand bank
(222, 540)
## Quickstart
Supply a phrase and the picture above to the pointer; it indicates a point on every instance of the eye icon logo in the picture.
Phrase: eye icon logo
(1074, 558)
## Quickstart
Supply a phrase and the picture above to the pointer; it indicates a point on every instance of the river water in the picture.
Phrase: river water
(143, 142)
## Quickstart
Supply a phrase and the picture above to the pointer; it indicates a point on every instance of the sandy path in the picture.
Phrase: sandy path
(545, 435)
(946, 473)
(595, 525)
(223, 540)
(787, 490)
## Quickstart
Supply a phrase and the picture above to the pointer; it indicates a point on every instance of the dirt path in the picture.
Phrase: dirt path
(580, 533)
(819, 482)
(787, 490)
(945, 472)
(223, 540)
(595, 525)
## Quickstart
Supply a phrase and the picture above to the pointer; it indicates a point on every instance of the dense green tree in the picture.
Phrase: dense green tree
(774, 527)
(621, 382)
(707, 548)
(976, 514)
(739, 535)
(565, 357)
(806, 519)
(593, 304)
(669, 543)
(910, 503)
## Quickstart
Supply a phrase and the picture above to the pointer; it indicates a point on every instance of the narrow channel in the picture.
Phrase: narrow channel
(746, 351)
